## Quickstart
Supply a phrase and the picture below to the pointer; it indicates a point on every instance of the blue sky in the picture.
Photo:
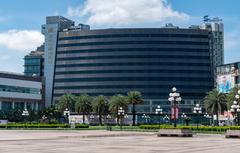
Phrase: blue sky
(21, 20)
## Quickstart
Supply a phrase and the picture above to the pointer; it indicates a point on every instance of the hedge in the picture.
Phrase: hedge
(194, 128)
(18, 125)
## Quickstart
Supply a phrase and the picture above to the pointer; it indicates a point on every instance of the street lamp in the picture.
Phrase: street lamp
(166, 119)
(25, 114)
(184, 117)
(159, 111)
(235, 109)
(174, 98)
(125, 119)
(92, 118)
(197, 110)
(108, 122)
(121, 113)
(66, 114)
(207, 116)
(145, 117)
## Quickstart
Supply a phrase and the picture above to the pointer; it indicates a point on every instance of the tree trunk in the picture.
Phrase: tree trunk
(118, 121)
(217, 120)
(133, 115)
(83, 117)
(100, 119)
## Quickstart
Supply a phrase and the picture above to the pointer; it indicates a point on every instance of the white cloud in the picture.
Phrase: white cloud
(125, 12)
(21, 40)
(4, 57)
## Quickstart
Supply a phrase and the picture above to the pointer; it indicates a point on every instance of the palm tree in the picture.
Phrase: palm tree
(116, 102)
(134, 98)
(66, 101)
(215, 103)
(83, 105)
(100, 106)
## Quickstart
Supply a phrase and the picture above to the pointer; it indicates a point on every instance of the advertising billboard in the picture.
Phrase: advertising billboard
(225, 83)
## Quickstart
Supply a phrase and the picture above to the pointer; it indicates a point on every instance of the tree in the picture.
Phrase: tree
(83, 105)
(231, 96)
(215, 103)
(134, 98)
(100, 106)
(66, 101)
(51, 113)
(116, 102)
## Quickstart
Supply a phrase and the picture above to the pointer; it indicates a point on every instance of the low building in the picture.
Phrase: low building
(19, 92)
(228, 76)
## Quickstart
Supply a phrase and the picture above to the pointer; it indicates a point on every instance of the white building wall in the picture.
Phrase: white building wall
(20, 83)
(4, 94)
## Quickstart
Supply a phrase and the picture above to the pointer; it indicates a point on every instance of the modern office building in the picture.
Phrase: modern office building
(18, 91)
(115, 61)
(216, 32)
(228, 76)
(33, 62)
(53, 25)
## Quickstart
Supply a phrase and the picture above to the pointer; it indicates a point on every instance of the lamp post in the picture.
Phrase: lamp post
(145, 117)
(197, 110)
(159, 111)
(25, 114)
(66, 114)
(121, 113)
(108, 123)
(166, 119)
(92, 118)
(235, 109)
(207, 116)
(174, 98)
(125, 119)
(184, 116)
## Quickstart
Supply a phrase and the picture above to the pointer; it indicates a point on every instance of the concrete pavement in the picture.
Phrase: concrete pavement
(14, 141)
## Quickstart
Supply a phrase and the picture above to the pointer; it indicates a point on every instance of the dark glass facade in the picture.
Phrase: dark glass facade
(152, 61)
(33, 64)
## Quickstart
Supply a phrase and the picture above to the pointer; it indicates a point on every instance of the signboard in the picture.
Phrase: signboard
(3, 121)
(225, 83)
(77, 119)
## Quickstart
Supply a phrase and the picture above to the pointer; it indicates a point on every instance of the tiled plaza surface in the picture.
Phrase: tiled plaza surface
(13, 141)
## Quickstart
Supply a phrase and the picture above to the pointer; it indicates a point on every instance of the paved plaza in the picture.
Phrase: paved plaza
(14, 141)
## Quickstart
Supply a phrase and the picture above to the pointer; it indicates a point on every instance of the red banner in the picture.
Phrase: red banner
(174, 112)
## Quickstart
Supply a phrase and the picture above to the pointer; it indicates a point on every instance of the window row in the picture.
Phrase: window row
(170, 64)
(135, 56)
(182, 87)
(182, 50)
(135, 71)
(170, 78)
(134, 35)
(134, 42)
(6, 88)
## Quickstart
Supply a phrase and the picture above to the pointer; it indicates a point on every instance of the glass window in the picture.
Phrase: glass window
(19, 89)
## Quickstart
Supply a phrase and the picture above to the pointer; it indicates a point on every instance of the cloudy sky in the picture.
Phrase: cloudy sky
(21, 20)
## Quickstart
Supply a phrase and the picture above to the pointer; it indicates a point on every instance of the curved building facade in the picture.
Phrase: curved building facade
(151, 60)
